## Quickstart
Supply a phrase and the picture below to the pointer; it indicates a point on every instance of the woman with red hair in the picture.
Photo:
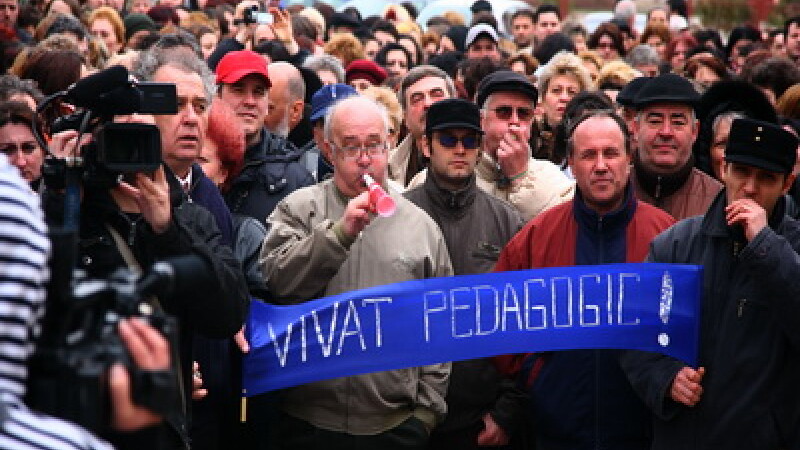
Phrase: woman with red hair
(677, 50)
(222, 158)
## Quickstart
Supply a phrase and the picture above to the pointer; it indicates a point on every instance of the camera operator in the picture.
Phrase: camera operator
(24, 249)
(146, 217)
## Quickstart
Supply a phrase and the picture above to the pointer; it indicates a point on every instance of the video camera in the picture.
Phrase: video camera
(117, 147)
(79, 340)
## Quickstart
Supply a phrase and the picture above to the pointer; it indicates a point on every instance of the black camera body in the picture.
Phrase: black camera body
(80, 342)
(116, 147)
(80, 339)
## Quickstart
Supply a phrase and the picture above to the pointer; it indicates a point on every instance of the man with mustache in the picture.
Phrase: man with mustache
(665, 129)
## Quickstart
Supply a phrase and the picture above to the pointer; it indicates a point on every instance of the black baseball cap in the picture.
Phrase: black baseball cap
(453, 113)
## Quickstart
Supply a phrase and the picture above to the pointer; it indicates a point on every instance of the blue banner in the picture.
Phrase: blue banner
(652, 307)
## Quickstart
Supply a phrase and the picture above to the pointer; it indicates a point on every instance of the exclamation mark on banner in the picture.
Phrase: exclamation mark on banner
(665, 306)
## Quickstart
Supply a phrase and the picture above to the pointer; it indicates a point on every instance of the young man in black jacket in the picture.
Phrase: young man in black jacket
(743, 394)
(483, 407)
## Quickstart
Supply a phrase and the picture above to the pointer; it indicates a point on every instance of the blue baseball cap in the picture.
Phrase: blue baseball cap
(326, 96)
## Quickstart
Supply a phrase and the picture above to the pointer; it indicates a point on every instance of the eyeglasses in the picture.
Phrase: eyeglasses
(26, 148)
(505, 113)
(373, 149)
(469, 142)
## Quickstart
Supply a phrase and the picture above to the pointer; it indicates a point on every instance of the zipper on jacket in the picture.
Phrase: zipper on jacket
(657, 193)
(600, 241)
(740, 309)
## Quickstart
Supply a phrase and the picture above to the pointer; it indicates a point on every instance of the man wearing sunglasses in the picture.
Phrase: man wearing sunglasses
(483, 405)
(506, 168)
(581, 398)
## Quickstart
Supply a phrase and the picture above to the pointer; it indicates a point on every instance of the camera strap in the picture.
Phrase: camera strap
(135, 267)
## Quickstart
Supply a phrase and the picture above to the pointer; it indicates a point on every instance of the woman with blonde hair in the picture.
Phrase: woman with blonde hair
(560, 80)
(346, 47)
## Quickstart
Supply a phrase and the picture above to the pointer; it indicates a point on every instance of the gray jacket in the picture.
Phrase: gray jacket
(303, 258)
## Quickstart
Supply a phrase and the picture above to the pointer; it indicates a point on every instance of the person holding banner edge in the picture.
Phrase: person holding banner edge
(325, 240)
(484, 408)
(744, 392)
(581, 399)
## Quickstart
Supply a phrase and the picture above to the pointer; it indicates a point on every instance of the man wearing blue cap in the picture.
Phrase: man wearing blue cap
(314, 159)
(483, 406)
(744, 392)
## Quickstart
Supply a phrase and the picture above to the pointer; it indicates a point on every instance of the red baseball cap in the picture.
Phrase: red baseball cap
(236, 65)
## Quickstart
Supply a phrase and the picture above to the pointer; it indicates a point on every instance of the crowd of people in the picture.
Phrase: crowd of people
(548, 146)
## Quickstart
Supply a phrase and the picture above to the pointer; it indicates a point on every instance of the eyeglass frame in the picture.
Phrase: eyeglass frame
(373, 150)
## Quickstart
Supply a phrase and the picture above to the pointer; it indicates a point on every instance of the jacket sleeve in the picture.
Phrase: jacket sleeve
(509, 407)
(218, 311)
(432, 387)
(299, 258)
(542, 187)
(775, 263)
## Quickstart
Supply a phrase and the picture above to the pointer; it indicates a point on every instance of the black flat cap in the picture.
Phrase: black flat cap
(505, 81)
(761, 144)
(735, 95)
(666, 88)
(453, 113)
(629, 91)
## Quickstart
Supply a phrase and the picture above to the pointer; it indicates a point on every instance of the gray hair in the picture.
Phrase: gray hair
(420, 72)
(642, 55)
(294, 82)
(326, 62)
(368, 103)
(11, 85)
(150, 61)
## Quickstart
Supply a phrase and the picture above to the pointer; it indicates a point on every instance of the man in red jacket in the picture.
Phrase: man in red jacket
(581, 399)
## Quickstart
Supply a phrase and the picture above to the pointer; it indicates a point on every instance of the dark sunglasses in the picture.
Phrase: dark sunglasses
(505, 112)
(469, 142)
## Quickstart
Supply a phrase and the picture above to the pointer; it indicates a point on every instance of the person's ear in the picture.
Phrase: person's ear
(425, 145)
(787, 184)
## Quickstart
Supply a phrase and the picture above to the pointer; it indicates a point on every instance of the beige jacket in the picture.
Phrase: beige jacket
(542, 187)
(398, 160)
(303, 258)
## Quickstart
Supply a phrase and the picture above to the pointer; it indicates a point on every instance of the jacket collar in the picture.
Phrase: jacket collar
(455, 202)
(619, 218)
(660, 186)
